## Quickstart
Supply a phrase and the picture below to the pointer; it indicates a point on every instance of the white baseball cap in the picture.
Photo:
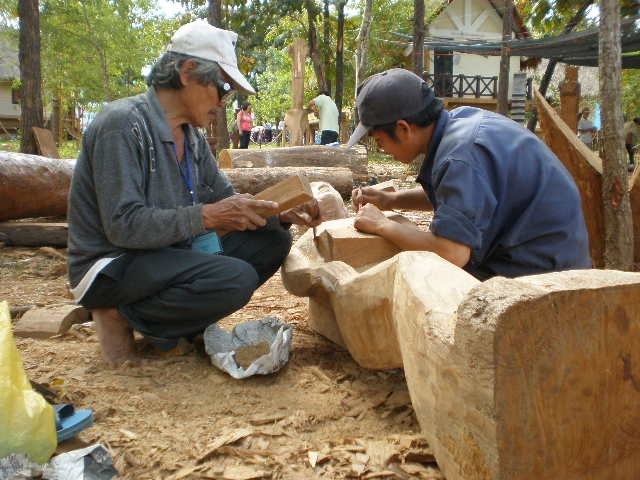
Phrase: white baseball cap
(203, 40)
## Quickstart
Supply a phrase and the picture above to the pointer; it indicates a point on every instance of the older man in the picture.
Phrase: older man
(159, 242)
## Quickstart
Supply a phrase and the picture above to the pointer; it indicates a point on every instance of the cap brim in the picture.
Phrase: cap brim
(357, 135)
(239, 80)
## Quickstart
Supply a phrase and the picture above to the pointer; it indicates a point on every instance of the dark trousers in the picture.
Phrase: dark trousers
(170, 293)
(328, 136)
(629, 148)
(244, 138)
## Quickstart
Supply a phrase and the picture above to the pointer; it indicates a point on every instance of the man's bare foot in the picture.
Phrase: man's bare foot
(115, 336)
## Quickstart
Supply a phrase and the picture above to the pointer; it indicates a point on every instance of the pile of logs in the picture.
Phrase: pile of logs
(33, 186)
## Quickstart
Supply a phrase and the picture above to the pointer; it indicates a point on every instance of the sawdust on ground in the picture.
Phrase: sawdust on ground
(320, 417)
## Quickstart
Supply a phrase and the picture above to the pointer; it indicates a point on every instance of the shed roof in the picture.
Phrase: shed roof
(575, 48)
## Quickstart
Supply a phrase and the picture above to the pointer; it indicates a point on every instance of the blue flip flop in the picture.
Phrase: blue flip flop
(70, 422)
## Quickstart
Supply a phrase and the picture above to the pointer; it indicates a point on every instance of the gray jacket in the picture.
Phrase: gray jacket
(127, 192)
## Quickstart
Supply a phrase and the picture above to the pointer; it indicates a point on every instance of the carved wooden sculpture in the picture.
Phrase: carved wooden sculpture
(528, 378)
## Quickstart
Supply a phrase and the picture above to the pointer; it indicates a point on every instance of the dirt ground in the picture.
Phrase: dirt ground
(320, 417)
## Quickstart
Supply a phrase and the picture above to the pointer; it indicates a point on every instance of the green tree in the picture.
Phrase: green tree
(94, 51)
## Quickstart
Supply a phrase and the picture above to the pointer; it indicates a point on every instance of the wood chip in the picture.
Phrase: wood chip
(242, 472)
(266, 418)
(184, 472)
(225, 438)
(129, 434)
(316, 458)
(413, 468)
(380, 474)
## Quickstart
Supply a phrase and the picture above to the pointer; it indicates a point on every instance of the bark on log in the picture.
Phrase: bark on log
(35, 186)
(28, 234)
(254, 180)
(316, 156)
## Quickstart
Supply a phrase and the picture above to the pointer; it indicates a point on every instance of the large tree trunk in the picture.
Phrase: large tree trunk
(355, 159)
(30, 74)
(618, 227)
(35, 186)
(362, 41)
(217, 130)
(505, 57)
(314, 51)
(340, 59)
(418, 37)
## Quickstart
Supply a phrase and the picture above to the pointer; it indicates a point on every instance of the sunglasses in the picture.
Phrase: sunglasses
(225, 91)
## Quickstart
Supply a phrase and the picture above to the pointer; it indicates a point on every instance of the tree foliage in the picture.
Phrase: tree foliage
(94, 51)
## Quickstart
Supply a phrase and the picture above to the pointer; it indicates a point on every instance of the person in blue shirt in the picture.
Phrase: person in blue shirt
(503, 203)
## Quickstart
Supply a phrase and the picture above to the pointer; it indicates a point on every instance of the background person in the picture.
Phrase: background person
(503, 203)
(630, 134)
(328, 117)
(245, 124)
(586, 129)
(149, 209)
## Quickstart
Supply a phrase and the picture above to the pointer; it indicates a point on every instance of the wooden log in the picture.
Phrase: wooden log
(34, 234)
(254, 180)
(33, 186)
(315, 156)
(527, 378)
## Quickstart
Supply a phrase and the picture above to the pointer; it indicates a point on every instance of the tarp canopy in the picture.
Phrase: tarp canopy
(576, 48)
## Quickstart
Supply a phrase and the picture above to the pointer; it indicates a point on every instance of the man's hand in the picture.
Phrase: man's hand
(364, 195)
(236, 213)
(306, 214)
(370, 219)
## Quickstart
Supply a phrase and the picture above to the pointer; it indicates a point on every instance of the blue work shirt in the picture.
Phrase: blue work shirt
(498, 189)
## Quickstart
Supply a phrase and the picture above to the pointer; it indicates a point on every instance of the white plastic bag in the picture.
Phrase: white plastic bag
(269, 335)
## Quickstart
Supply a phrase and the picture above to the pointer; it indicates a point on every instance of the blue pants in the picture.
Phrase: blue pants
(170, 293)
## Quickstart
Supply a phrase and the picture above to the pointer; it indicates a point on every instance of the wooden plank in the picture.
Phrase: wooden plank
(289, 193)
(45, 142)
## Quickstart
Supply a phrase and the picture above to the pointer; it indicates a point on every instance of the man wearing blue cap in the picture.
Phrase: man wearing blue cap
(503, 203)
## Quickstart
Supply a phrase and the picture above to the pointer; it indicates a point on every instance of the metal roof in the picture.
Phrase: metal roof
(576, 48)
